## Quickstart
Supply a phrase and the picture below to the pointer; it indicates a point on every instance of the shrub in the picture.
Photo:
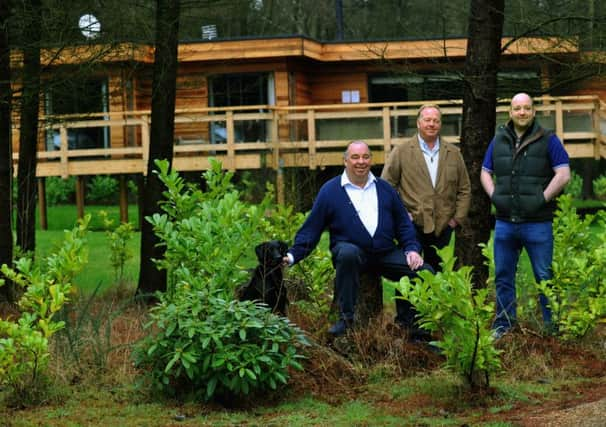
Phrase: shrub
(24, 341)
(118, 244)
(133, 190)
(447, 303)
(203, 341)
(575, 186)
(102, 189)
(60, 190)
(577, 291)
(599, 187)
(208, 232)
(208, 346)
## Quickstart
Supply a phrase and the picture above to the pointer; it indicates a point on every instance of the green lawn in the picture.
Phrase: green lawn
(99, 270)
(63, 217)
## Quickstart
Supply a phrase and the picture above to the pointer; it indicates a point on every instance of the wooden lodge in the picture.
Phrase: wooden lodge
(287, 102)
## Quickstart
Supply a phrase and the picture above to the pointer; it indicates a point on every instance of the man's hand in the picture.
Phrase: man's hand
(414, 260)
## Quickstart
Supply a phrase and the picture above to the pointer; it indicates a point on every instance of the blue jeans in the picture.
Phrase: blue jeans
(509, 239)
(350, 261)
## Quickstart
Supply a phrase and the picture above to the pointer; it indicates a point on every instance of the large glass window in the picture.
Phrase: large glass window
(441, 87)
(78, 97)
(417, 87)
(232, 90)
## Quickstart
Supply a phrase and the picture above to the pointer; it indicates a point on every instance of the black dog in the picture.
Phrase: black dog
(266, 283)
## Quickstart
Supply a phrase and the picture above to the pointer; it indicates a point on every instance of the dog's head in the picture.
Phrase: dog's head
(271, 253)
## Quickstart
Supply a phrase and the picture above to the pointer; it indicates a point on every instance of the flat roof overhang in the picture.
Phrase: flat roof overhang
(301, 47)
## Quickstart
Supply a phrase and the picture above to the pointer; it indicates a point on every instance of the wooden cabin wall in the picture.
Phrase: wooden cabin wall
(301, 95)
(142, 85)
(192, 92)
(117, 92)
(327, 88)
(592, 86)
(16, 87)
(282, 88)
(302, 90)
(143, 90)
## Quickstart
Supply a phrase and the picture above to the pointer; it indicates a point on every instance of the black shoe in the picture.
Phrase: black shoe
(339, 328)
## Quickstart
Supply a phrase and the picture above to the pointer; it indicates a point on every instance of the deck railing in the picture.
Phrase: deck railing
(252, 137)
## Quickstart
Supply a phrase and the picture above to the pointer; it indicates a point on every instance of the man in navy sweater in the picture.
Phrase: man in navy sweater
(365, 218)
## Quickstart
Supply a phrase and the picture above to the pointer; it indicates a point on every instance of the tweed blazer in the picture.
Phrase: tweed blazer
(431, 208)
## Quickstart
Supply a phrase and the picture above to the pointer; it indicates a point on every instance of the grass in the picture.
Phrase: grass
(430, 406)
(63, 217)
(99, 270)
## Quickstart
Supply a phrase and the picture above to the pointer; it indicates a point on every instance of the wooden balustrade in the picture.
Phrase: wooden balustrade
(295, 135)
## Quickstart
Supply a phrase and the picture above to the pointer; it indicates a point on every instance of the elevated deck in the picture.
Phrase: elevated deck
(310, 136)
(264, 136)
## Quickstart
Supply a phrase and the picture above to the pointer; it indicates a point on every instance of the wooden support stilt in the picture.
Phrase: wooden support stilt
(123, 199)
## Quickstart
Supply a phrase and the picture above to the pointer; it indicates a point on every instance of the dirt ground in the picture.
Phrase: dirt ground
(590, 414)
(582, 404)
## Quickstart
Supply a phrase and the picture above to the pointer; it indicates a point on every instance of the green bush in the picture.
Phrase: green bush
(599, 187)
(448, 304)
(577, 291)
(24, 351)
(207, 346)
(60, 190)
(201, 340)
(575, 186)
(102, 189)
(119, 248)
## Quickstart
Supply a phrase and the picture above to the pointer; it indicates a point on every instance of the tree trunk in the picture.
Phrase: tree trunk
(6, 173)
(369, 303)
(28, 136)
(370, 299)
(479, 119)
(161, 143)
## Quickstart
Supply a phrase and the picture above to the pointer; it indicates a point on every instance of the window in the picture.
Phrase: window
(231, 90)
(78, 97)
(417, 87)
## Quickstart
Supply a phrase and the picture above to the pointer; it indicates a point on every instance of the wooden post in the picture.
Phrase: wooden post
(280, 186)
(559, 119)
(42, 203)
(311, 138)
(64, 150)
(123, 199)
(386, 132)
(80, 196)
(230, 159)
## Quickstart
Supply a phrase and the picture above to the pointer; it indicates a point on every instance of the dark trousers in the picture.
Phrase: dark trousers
(430, 242)
(350, 261)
